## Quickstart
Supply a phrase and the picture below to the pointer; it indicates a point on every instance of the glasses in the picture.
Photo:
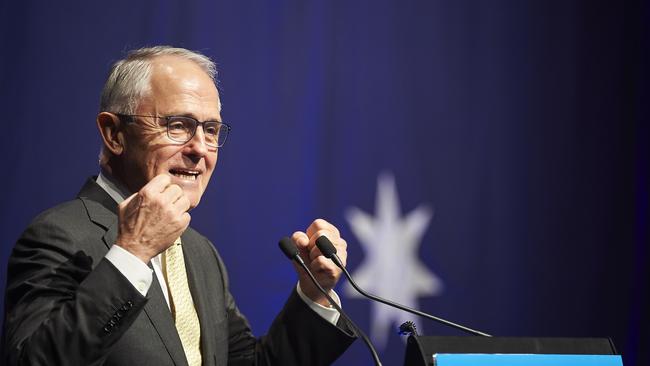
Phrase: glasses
(181, 128)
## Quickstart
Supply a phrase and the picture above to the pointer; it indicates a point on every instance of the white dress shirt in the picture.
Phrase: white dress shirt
(140, 275)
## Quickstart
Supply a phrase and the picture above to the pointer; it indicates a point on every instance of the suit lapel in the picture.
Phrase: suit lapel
(102, 210)
(161, 318)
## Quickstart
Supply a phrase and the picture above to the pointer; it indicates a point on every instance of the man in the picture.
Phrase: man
(117, 277)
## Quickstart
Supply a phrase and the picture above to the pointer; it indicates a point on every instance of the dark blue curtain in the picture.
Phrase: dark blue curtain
(520, 126)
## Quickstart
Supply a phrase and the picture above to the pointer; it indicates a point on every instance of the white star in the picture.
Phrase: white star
(391, 268)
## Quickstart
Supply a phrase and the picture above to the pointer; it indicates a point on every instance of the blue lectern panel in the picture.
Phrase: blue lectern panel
(525, 360)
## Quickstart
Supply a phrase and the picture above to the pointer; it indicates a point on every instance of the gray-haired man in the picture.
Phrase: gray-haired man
(117, 276)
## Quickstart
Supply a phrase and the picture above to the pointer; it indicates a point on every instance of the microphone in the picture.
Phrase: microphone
(327, 248)
(290, 250)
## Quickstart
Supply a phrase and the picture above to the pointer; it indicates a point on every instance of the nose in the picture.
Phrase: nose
(197, 143)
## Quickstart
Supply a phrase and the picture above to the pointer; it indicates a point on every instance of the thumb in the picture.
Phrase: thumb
(301, 240)
(125, 205)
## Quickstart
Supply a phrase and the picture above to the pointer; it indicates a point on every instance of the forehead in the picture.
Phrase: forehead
(175, 81)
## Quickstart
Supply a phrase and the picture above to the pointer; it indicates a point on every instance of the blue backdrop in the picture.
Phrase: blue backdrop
(520, 127)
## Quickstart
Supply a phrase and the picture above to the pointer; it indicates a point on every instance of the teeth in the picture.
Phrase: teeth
(191, 176)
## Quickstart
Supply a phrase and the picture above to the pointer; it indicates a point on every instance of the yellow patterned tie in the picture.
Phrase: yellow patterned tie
(187, 321)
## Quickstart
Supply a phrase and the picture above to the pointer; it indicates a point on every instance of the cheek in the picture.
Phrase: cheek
(152, 166)
(141, 161)
(162, 159)
(210, 163)
(211, 160)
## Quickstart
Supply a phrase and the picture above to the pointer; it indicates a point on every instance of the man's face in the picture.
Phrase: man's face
(178, 88)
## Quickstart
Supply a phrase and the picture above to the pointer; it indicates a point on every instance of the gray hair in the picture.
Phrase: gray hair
(128, 80)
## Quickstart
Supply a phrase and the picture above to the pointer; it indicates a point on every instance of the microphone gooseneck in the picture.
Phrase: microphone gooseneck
(290, 250)
(327, 248)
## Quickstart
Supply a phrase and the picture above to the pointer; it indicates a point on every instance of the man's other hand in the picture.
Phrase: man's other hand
(150, 220)
(325, 271)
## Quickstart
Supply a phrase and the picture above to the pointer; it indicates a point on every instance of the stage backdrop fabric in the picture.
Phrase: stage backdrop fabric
(490, 156)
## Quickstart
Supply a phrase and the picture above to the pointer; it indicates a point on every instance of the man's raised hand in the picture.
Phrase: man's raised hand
(325, 271)
(150, 220)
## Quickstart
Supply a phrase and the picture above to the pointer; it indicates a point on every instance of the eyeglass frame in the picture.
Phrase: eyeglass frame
(129, 119)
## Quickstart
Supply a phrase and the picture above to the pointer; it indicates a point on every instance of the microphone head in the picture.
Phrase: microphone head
(326, 247)
(288, 248)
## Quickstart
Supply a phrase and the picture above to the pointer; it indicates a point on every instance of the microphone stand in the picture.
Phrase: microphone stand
(289, 249)
(327, 248)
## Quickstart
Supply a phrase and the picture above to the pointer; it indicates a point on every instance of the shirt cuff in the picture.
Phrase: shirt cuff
(328, 313)
(135, 270)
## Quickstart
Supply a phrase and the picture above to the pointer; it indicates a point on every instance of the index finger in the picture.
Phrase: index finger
(158, 183)
(320, 224)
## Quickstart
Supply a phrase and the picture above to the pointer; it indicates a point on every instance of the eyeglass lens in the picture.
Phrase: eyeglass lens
(182, 129)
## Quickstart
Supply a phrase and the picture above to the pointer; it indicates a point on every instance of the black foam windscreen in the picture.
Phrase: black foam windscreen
(326, 247)
(288, 247)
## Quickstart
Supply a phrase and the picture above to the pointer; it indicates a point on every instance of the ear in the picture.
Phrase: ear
(112, 135)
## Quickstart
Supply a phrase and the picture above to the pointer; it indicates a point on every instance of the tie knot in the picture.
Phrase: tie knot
(174, 249)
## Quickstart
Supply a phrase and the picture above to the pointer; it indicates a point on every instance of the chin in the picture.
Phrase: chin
(194, 202)
(194, 198)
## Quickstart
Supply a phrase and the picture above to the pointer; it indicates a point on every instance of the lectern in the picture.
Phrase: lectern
(477, 351)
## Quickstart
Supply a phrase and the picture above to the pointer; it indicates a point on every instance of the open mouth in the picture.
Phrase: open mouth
(185, 174)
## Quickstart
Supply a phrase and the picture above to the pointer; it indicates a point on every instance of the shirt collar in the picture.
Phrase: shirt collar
(115, 189)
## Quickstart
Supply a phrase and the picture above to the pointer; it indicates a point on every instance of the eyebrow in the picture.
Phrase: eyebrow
(192, 115)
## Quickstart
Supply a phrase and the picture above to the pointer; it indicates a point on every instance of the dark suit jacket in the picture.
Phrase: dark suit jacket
(66, 304)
